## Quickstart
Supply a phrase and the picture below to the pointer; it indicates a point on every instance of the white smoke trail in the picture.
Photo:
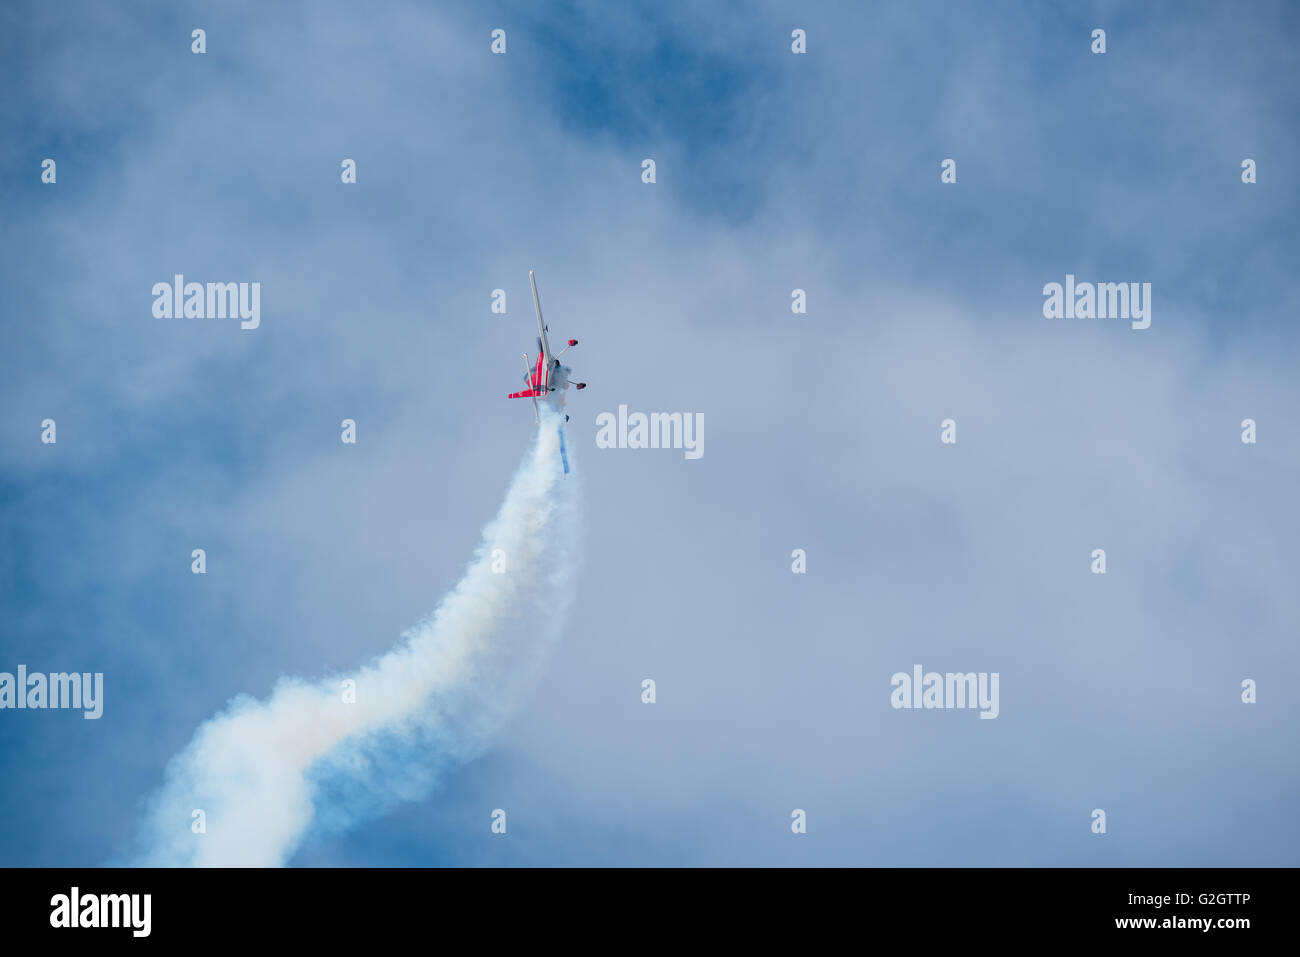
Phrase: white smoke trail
(267, 773)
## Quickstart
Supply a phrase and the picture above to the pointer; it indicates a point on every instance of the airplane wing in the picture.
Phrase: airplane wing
(541, 326)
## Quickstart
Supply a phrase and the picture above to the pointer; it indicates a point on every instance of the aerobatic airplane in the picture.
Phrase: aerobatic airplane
(547, 375)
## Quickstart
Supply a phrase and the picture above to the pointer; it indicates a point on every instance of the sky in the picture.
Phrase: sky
(775, 171)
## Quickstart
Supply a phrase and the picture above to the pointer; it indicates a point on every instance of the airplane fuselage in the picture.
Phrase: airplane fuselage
(547, 377)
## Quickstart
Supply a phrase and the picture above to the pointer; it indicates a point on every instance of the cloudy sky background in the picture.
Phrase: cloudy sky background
(775, 171)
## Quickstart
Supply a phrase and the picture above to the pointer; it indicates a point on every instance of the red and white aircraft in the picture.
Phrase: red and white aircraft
(546, 376)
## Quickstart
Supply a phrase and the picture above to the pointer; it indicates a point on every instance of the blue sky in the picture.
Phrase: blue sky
(775, 171)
